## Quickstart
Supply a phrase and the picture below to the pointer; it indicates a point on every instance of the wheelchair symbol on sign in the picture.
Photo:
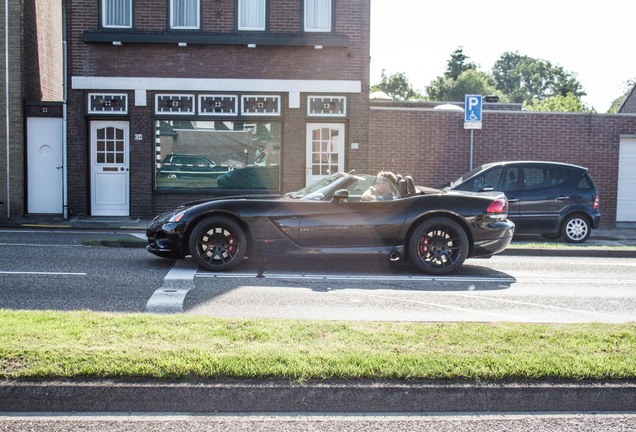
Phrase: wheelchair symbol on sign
(473, 116)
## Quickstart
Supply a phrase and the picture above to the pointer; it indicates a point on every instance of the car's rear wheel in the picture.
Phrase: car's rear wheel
(576, 229)
(218, 243)
(438, 246)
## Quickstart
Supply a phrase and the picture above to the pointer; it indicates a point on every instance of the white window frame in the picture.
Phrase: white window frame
(258, 22)
(106, 3)
(310, 23)
(174, 25)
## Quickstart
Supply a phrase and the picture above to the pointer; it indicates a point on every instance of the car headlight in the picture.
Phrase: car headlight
(177, 216)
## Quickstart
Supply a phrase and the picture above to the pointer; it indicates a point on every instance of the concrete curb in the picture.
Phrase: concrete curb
(570, 252)
(327, 397)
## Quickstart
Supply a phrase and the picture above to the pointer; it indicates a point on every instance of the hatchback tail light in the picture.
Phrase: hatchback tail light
(596, 202)
(498, 206)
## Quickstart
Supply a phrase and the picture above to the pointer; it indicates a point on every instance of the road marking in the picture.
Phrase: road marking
(170, 297)
(42, 273)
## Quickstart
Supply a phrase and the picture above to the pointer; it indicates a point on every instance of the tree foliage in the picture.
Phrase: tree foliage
(558, 103)
(397, 86)
(524, 79)
(616, 104)
(470, 81)
(537, 84)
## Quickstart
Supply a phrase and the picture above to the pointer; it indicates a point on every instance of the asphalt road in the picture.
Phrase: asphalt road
(56, 270)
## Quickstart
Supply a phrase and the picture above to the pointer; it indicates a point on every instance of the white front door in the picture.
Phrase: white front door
(110, 170)
(325, 150)
(45, 165)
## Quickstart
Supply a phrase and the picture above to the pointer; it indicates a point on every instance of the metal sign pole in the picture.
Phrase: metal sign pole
(472, 131)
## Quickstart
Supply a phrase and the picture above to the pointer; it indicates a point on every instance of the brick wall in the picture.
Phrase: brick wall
(434, 147)
(12, 139)
(212, 61)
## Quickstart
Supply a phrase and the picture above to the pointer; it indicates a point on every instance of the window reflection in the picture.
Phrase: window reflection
(201, 155)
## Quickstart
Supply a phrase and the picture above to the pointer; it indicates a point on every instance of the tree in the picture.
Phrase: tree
(470, 81)
(616, 104)
(397, 86)
(524, 79)
(458, 64)
(558, 103)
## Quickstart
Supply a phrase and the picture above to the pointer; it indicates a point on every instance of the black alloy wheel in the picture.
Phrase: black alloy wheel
(438, 246)
(218, 243)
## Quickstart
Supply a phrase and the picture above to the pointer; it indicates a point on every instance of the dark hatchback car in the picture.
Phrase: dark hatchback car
(188, 165)
(548, 198)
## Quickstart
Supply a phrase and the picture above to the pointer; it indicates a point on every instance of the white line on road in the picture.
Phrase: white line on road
(179, 280)
(42, 273)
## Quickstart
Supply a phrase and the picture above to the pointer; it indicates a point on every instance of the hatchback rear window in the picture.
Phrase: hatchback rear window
(585, 183)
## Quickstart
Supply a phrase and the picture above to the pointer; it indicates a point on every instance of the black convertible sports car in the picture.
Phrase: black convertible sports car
(435, 229)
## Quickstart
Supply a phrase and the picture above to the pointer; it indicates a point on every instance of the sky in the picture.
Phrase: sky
(594, 40)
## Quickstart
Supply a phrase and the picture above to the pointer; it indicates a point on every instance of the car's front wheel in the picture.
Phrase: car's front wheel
(576, 229)
(218, 243)
(438, 246)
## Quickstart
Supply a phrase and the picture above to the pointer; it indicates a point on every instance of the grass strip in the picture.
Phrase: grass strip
(46, 344)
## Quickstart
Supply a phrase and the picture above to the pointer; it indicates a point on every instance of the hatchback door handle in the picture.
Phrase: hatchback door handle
(513, 200)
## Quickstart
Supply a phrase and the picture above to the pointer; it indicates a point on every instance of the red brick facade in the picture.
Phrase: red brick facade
(434, 147)
(283, 52)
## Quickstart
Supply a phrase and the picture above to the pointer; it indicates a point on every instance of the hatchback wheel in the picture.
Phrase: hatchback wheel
(218, 243)
(575, 229)
(438, 246)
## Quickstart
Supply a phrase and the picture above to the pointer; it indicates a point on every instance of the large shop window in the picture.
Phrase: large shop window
(117, 13)
(204, 155)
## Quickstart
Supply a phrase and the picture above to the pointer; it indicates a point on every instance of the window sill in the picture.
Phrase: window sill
(243, 38)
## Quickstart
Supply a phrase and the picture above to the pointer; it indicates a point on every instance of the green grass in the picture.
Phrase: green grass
(44, 344)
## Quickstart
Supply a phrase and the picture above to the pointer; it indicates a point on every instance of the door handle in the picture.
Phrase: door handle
(563, 198)
(513, 200)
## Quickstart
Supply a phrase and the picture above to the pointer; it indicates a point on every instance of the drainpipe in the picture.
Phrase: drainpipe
(6, 101)
(64, 114)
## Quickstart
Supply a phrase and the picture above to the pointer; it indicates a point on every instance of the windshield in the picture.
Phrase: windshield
(319, 189)
(465, 176)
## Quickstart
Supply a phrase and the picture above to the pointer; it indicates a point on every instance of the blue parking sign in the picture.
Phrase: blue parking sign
(472, 108)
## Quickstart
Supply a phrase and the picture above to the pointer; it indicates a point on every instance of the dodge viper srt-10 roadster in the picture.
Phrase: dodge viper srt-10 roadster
(436, 230)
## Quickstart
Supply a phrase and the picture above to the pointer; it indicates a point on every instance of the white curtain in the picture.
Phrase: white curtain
(251, 14)
(185, 13)
(318, 15)
(117, 13)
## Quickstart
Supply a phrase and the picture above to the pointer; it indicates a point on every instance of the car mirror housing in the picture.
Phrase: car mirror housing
(341, 194)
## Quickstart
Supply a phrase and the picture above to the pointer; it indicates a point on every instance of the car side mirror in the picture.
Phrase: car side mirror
(341, 194)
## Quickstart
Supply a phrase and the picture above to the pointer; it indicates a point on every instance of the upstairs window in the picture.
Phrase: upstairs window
(184, 14)
(117, 13)
(318, 15)
(252, 15)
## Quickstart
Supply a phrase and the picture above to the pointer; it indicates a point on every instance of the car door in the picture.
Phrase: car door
(542, 199)
(352, 224)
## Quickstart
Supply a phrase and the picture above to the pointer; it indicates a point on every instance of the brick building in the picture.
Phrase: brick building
(169, 101)
(32, 79)
(211, 78)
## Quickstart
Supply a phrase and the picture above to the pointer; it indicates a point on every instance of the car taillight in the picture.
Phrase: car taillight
(500, 205)
(596, 202)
